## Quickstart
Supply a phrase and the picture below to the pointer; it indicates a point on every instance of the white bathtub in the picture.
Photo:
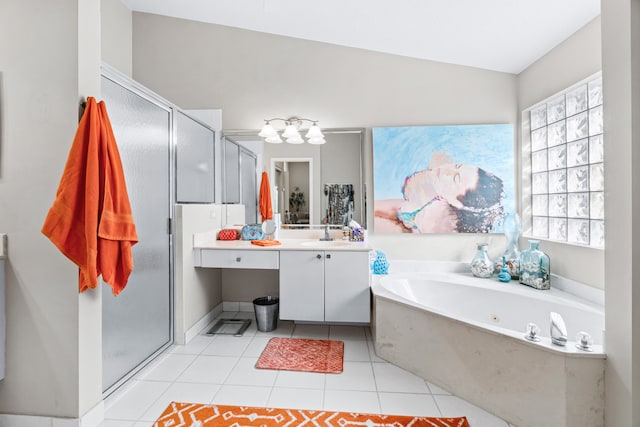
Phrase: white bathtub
(467, 335)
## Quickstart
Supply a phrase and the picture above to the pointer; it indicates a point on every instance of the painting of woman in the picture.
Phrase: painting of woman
(445, 197)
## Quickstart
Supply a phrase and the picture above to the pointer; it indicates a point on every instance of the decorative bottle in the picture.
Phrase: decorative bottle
(512, 230)
(535, 267)
(481, 264)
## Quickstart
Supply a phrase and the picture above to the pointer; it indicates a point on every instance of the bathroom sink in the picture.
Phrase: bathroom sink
(325, 243)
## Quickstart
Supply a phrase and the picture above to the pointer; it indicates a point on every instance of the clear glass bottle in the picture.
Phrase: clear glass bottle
(481, 264)
(512, 230)
(535, 267)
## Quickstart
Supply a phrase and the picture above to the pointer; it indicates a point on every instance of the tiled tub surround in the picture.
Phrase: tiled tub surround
(467, 335)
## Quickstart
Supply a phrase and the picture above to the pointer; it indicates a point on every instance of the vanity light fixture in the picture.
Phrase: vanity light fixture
(291, 132)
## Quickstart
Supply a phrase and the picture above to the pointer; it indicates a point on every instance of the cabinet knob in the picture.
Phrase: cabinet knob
(238, 259)
(328, 256)
(318, 256)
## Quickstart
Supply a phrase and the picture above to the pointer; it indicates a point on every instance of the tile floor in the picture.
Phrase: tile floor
(220, 369)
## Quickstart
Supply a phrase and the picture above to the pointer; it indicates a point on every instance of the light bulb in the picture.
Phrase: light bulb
(274, 139)
(295, 140)
(314, 131)
(318, 140)
(290, 132)
(268, 131)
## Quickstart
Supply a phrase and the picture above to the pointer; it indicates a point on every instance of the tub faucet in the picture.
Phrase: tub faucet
(558, 330)
(326, 234)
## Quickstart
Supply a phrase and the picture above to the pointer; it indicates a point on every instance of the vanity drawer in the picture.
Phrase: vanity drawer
(223, 258)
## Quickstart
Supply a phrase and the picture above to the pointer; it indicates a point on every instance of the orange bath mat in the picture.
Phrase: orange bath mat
(300, 354)
(202, 415)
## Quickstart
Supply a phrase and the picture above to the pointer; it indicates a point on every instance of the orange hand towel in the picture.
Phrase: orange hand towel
(266, 210)
(90, 221)
(265, 242)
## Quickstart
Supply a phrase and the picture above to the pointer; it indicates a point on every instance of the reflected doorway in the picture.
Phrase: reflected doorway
(292, 182)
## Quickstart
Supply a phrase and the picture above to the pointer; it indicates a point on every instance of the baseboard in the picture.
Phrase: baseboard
(93, 418)
(202, 323)
(233, 306)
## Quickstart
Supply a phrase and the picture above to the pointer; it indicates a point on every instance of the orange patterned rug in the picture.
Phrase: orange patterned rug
(301, 354)
(201, 415)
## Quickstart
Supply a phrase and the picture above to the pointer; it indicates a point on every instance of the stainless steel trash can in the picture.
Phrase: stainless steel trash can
(267, 311)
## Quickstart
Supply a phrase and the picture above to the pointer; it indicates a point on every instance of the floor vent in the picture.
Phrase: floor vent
(234, 327)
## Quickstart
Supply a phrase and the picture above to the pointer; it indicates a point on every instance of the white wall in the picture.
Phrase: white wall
(49, 61)
(197, 290)
(621, 86)
(253, 76)
(117, 35)
(573, 60)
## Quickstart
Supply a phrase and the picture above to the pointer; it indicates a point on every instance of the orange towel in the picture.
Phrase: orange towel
(266, 210)
(265, 242)
(90, 221)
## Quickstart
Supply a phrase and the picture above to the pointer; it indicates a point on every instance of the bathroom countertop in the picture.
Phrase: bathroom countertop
(208, 240)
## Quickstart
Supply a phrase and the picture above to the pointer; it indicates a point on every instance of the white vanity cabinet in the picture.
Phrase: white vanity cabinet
(325, 286)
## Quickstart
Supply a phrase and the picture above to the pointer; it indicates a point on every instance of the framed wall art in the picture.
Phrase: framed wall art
(443, 179)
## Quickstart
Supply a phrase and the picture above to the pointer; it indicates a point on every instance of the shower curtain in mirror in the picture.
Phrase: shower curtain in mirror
(338, 203)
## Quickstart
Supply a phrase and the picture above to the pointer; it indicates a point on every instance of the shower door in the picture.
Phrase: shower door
(137, 324)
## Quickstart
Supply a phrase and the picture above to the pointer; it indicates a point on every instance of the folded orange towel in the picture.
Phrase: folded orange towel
(265, 242)
(90, 221)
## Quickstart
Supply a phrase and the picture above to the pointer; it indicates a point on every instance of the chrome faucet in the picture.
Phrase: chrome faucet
(558, 330)
(326, 234)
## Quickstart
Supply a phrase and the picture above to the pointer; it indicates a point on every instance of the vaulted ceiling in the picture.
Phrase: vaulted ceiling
(501, 35)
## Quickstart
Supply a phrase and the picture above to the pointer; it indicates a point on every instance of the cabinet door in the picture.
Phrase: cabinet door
(346, 287)
(302, 285)
(194, 160)
(231, 172)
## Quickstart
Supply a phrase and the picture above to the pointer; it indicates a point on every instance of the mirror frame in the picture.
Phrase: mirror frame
(362, 186)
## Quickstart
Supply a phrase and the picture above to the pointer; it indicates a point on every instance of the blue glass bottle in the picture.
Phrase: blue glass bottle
(481, 265)
(535, 267)
(512, 230)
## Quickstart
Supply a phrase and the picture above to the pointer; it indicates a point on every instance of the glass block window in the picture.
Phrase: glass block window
(567, 168)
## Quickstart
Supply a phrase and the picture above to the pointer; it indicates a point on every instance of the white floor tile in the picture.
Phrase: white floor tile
(118, 423)
(136, 401)
(169, 368)
(227, 375)
(195, 346)
(337, 332)
(356, 351)
(242, 395)
(437, 390)
(291, 379)
(391, 378)
(256, 346)
(245, 373)
(452, 406)
(208, 369)
(365, 402)
(150, 366)
(421, 405)
(181, 392)
(296, 398)
(283, 330)
(227, 345)
(355, 376)
(316, 332)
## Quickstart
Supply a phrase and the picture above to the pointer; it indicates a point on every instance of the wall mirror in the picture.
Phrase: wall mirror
(316, 184)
